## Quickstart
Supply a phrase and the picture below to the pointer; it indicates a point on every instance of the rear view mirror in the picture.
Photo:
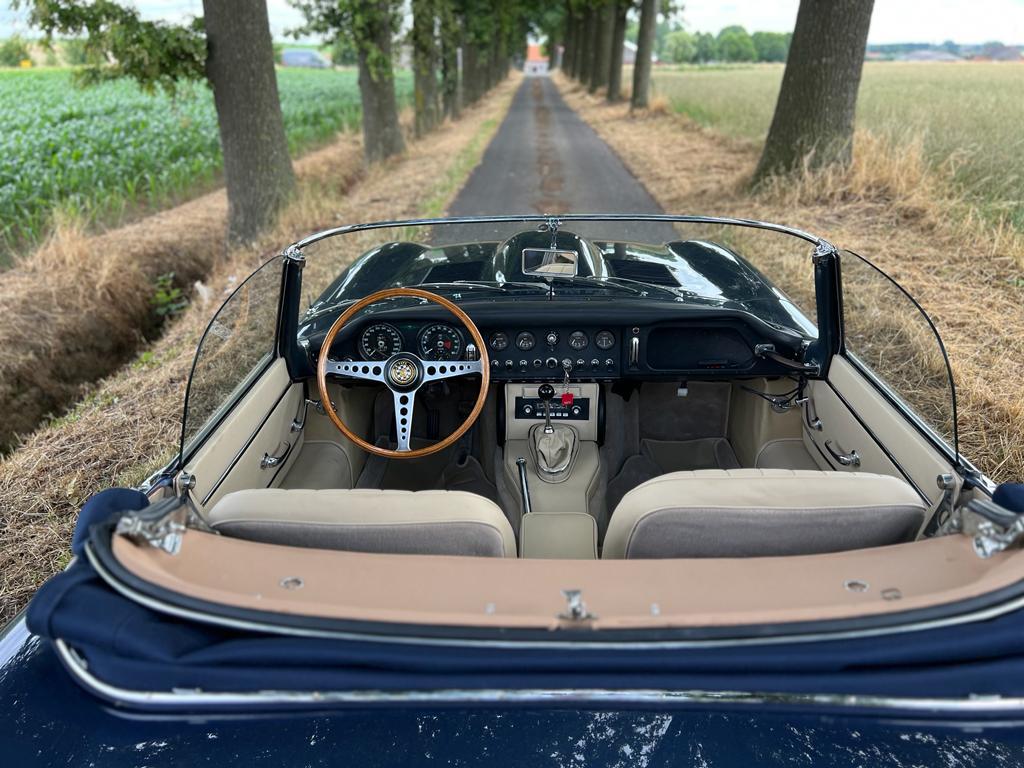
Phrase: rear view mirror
(549, 262)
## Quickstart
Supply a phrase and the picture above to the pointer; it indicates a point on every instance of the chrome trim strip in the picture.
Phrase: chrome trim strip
(458, 642)
(561, 218)
(600, 696)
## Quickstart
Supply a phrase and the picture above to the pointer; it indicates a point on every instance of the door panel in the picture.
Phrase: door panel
(260, 424)
(856, 416)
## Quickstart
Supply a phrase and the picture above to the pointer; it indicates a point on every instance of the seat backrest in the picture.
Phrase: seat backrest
(762, 513)
(386, 522)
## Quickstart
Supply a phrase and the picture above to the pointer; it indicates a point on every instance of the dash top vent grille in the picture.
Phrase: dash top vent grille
(449, 273)
(644, 271)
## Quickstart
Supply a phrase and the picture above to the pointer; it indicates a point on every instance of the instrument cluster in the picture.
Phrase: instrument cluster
(436, 341)
(546, 352)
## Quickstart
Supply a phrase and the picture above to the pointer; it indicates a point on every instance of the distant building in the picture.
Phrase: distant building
(536, 61)
(929, 55)
(629, 54)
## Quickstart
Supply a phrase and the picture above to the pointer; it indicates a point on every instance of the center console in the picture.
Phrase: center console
(551, 467)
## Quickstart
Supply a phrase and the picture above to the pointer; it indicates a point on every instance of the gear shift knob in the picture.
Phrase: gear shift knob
(546, 393)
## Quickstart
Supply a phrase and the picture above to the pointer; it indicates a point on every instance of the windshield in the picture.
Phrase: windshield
(689, 261)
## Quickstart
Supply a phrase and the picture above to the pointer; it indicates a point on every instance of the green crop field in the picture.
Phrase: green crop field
(99, 152)
(969, 116)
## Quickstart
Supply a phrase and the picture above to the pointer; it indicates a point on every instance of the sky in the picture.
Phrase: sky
(893, 21)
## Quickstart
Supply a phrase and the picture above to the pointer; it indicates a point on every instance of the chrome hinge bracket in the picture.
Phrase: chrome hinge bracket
(991, 528)
(823, 251)
(161, 531)
(575, 608)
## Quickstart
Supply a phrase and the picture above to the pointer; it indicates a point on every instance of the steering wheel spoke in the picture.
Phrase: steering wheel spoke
(450, 369)
(371, 371)
(404, 402)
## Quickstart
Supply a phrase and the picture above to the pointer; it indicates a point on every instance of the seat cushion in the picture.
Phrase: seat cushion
(762, 513)
(392, 522)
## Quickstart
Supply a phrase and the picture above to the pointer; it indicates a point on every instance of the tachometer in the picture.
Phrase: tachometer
(440, 342)
(380, 341)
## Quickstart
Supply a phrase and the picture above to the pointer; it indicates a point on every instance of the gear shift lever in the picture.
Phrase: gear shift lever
(546, 393)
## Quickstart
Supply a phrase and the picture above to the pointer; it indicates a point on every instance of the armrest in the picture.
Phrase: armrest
(559, 536)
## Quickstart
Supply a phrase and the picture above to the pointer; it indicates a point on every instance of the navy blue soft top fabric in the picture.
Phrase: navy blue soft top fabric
(1010, 496)
(100, 507)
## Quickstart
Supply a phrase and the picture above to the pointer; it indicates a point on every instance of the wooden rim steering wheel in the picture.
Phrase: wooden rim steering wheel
(403, 373)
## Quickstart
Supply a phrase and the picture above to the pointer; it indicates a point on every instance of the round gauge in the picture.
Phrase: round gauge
(380, 341)
(551, 339)
(498, 341)
(604, 339)
(525, 341)
(578, 340)
(440, 342)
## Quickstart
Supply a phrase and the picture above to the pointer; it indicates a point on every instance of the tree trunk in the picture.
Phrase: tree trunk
(603, 42)
(382, 133)
(569, 47)
(470, 73)
(425, 59)
(644, 50)
(579, 46)
(240, 67)
(587, 52)
(815, 110)
(618, 43)
(450, 61)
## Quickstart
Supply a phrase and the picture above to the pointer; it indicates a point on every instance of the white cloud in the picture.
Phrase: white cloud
(893, 21)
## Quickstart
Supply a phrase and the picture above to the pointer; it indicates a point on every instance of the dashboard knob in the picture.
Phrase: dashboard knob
(528, 410)
(581, 363)
(595, 363)
(508, 365)
(576, 410)
(523, 365)
(537, 362)
(551, 338)
(495, 363)
(609, 364)
(551, 362)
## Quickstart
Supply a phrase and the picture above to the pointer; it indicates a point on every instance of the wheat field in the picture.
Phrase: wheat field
(967, 116)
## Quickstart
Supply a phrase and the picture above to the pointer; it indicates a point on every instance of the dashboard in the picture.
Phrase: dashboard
(515, 352)
(616, 344)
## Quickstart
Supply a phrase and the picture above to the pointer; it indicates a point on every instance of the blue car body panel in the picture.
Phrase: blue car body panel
(50, 720)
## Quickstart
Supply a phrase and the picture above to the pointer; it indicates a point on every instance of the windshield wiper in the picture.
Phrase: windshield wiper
(498, 287)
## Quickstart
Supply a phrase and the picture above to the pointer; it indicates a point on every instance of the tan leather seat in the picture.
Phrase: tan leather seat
(762, 513)
(391, 522)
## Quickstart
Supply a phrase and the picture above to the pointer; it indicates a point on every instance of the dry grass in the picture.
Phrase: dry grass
(129, 424)
(80, 306)
(891, 206)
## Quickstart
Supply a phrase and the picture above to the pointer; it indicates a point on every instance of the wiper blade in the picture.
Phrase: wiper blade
(498, 287)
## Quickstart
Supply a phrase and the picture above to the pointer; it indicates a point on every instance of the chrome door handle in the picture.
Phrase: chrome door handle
(811, 415)
(851, 459)
(269, 462)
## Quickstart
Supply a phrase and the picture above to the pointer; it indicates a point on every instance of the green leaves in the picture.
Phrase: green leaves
(100, 152)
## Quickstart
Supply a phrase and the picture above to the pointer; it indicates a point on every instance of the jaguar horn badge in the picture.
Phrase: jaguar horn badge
(402, 373)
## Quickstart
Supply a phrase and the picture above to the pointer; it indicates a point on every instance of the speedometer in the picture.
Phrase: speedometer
(440, 342)
(380, 341)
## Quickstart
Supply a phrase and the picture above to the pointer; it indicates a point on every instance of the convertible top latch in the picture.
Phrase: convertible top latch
(161, 525)
(992, 528)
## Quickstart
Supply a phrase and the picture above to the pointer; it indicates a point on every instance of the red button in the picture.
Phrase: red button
(567, 398)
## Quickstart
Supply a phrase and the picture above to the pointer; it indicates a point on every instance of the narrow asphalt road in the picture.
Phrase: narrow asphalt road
(545, 159)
